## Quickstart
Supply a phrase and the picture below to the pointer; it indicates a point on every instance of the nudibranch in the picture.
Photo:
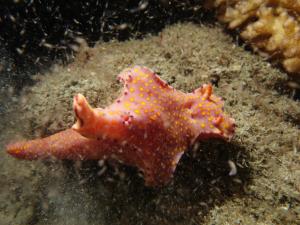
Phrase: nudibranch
(149, 126)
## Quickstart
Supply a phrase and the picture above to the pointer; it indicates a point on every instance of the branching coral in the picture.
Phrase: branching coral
(271, 26)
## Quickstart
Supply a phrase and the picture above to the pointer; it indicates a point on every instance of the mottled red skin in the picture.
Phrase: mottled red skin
(149, 126)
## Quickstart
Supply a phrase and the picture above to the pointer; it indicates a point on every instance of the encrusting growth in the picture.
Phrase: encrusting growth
(149, 126)
(270, 26)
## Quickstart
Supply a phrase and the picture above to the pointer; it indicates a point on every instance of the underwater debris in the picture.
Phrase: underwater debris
(233, 168)
(149, 126)
(270, 26)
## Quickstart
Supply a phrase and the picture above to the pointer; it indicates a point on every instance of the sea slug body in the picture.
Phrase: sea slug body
(149, 126)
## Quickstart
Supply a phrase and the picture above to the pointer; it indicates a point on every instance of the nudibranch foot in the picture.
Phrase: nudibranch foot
(67, 144)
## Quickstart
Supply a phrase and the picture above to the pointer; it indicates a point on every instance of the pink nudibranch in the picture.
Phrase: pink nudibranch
(149, 126)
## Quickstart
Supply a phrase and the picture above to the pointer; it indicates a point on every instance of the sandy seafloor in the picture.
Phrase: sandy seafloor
(265, 148)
